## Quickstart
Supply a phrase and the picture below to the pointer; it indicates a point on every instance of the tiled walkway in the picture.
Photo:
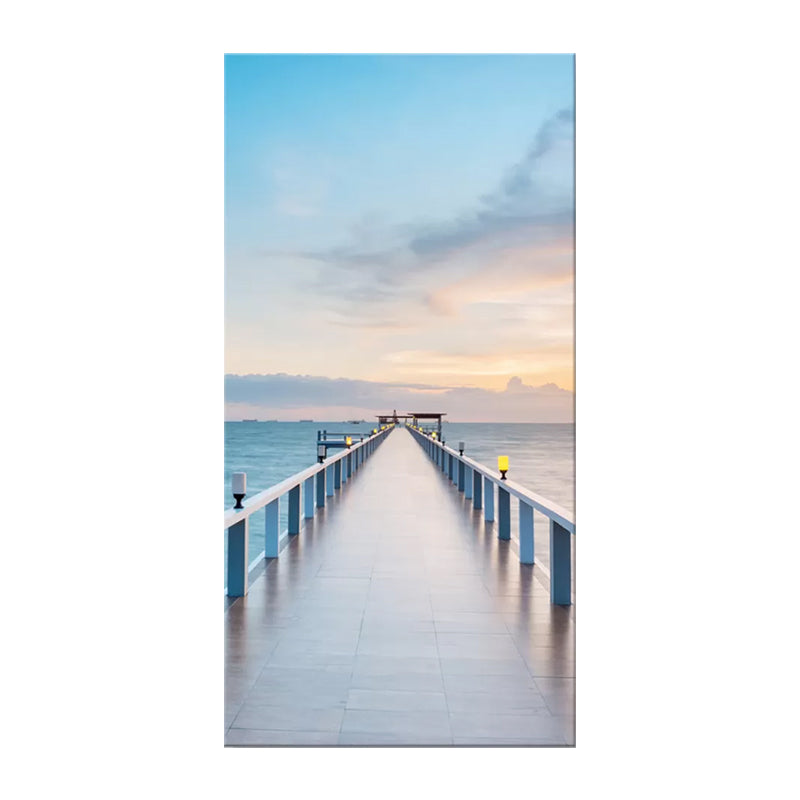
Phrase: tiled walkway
(397, 617)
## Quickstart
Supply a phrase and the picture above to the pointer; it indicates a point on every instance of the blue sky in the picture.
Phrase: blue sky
(400, 218)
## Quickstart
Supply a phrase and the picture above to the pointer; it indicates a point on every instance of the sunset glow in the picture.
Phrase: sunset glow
(400, 219)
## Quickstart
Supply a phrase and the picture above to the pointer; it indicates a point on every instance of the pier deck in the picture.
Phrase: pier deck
(397, 617)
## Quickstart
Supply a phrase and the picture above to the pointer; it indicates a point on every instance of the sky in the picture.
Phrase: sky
(403, 223)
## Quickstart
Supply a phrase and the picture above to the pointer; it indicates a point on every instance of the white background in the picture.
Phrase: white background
(112, 322)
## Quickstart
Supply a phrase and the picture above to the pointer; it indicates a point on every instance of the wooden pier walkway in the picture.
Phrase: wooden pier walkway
(397, 617)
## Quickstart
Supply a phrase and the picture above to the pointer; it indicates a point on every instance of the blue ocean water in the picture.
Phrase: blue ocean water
(541, 458)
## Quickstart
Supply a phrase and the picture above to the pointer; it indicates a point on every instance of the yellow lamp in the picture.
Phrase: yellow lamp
(502, 465)
(434, 434)
(348, 441)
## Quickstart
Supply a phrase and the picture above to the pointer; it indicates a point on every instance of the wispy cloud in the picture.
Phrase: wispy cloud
(374, 324)
(532, 194)
(506, 275)
(532, 204)
(496, 362)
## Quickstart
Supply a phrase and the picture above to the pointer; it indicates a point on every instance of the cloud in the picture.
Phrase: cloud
(494, 363)
(373, 324)
(295, 391)
(506, 276)
(533, 203)
(284, 396)
(533, 194)
(520, 180)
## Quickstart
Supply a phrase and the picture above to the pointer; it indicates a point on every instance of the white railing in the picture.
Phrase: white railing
(478, 483)
(318, 482)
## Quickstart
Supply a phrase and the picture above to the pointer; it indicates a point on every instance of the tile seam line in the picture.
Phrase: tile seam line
(441, 675)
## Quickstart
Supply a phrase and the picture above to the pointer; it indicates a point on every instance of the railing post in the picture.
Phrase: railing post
(468, 483)
(271, 529)
(308, 497)
(344, 469)
(337, 474)
(560, 565)
(349, 465)
(460, 476)
(488, 499)
(321, 489)
(294, 510)
(504, 513)
(450, 467)
(477, 486)
(237, 558)
(525, 533)
(329, 480)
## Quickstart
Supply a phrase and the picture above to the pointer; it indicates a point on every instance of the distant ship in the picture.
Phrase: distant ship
(306, 420)
(355, 421)
(249, 420)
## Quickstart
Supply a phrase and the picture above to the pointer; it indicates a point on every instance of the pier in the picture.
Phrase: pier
(400, 610)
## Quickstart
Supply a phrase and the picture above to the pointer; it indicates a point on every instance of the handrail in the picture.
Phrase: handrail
(477, 482)
(547, 507)
(331, 476)
(266, 496)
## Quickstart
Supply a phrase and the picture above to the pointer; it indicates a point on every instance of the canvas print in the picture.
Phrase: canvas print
(399, 515)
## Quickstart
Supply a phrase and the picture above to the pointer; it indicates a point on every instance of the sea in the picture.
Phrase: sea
(541, 458)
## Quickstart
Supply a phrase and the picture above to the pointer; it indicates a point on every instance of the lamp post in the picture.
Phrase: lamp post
(239, 485)
(461, 448)
(502, 465)
(322, 451)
